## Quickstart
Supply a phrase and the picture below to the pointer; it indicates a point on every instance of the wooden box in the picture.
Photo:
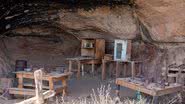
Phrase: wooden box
(91, 47)
(122, 50)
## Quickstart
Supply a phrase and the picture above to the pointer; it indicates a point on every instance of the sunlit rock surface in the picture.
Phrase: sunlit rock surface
(165, 19)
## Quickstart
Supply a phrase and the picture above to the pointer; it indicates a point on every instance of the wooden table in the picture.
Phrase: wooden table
(47, 77)
(152, 92)
(80, 63)
(133, 69)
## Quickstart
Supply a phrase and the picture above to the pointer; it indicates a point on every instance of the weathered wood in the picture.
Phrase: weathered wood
(159, 92)
(83, 70)
(40, 96)
(46, 95)
(20, 82)
(103, 69)
(133, 69)
(81, 61)
(79, 67)
(70, 65)
(117, 69)
(38, 87)
(47, 77)
(97, 49)
(93, 68)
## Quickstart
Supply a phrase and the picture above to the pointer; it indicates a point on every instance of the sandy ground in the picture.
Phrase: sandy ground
(83, 88)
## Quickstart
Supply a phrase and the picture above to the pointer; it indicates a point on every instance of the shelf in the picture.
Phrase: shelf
(87, 47)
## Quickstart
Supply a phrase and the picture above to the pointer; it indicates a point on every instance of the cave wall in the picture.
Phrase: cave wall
(165, 19)
(41, 46)
(5, 66)
(157, 32)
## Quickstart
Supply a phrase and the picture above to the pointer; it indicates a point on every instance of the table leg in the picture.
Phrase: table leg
(70, 65)
(118, 90)
(117, 70)
(125, 70)
(93, 68)
(51, 84)
(64, 84)
(20, 81)
(78, 73)
(82, 69)
(140, 68)
(103, 69)
(133, 69)
(155, 100)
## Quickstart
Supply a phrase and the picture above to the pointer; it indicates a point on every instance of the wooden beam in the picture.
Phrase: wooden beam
(38, 87)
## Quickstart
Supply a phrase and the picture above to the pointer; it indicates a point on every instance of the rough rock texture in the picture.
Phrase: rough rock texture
(164, 19)
(41, 46)
(51, 34)
(101, 22)
(5, 66)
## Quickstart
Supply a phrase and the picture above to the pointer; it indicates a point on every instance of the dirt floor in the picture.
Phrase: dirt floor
(83, 88)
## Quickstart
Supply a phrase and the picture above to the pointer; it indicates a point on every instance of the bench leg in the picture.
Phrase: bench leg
(64, 84)
(118, 90)
(103, 70)
(20, 82)
(79, 67)
(155, 100)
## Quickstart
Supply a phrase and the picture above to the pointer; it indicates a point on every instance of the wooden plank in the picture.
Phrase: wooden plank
(20, 80)
(51, 83)
(38, 87)
(70, 65)
(93, 68)
(117, 70)
(133, 69)
(79, 67)
(135, 87)
(33, 85)
(21, 91)
(103, 69)
(100, 48)
(167, 90)
(47, 94)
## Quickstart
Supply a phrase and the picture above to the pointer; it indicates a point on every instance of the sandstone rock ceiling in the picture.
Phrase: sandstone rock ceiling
(165, 19)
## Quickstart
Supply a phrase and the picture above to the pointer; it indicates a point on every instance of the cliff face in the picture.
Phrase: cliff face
(47, 35)
(164, 19)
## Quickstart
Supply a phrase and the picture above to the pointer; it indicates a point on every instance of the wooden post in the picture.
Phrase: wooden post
(51, 84)
(118, 90)
(64, 84)
(117, 69)
(70, 65)
(20, 81)
(93, 67)
(78, 72)
(82, 69)
(103, 69)
(38, 87)
(125, 70)
(133, 69)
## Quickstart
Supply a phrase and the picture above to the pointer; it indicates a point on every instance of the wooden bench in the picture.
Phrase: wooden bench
(152, 92)
(51, 78)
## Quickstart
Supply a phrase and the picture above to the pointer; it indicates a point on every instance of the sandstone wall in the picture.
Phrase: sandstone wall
(5, 66)
(157, 33)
